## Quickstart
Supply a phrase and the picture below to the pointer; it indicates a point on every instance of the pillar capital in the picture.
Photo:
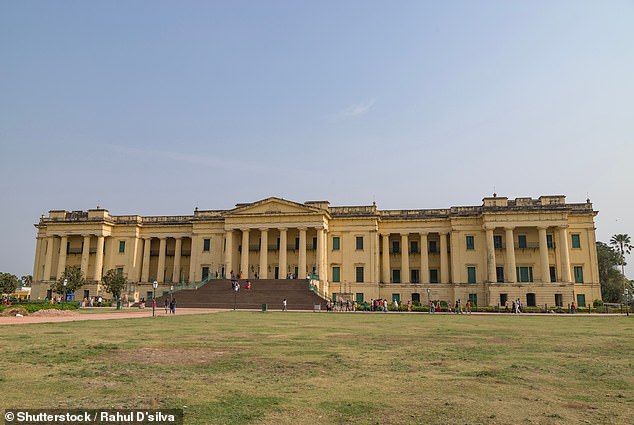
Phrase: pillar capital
(542, 227)
(423, 233)
(489, 226)
(404, 233)
(507, 228)
(263, 229)
(282, 229)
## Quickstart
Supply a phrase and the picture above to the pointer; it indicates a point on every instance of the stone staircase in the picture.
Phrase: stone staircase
(219, 294)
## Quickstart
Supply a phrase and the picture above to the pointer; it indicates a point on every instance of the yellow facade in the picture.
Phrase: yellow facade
(541, 251)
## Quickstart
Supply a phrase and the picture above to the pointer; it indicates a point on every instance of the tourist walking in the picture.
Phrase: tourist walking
(173, 306)
(284, 305)
(167, 306)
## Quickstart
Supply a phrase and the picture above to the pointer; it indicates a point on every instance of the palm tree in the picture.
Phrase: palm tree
(623, 245)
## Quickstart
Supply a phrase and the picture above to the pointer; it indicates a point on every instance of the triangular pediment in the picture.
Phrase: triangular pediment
(273, 206)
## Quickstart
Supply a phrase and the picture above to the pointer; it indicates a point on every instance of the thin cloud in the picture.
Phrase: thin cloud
(356, 110)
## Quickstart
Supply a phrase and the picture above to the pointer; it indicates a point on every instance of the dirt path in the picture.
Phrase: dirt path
(127, 314)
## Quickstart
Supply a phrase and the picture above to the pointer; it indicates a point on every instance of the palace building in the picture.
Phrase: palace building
(541, 251)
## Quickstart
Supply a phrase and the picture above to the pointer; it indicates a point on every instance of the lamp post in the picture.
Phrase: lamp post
(627, 302)
(154, 286)
(429, 300)
(64, 299)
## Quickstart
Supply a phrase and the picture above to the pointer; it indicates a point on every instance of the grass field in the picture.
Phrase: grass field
(304, 368)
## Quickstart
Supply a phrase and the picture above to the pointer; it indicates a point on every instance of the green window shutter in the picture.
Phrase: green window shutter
(360, 274)
(121, 246)
(578, 274)
(521, 241)
(471, 274)
(336, 243)
(433, 275)
(206, 244)
(336, 274)
(576, 241)
(359, 297)
(396, 276)
(359, 242)
(470, 242)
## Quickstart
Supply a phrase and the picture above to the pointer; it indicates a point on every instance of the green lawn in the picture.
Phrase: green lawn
(305, 368)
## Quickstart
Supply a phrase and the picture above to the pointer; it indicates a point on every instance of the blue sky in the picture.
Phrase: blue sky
(156, 107)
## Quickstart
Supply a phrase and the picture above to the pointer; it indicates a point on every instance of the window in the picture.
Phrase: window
(206, 244)
(277, 244)
(359, 242)
(119, 270)
(553, 274)
(559, 300)
(578, 274)
(296, 243)
(521, 241)
(581, 300)
(336, 243)
(396, 297)
(549, 241)
(415, 297)
(68, 247)
(396, 247)
(497, 241)
(205, 272)
(336, 274)
(530, 300)
(360, 274)
(121, 246)
(524, 274)
(499, 274)
(413, 247)
(471, 274)
(474, 300)
(576, 240)
(414, 276)
(433, 247)
(470, 242)
(503, 299)
(315, 243)
(396, 276)
(359, 297)
(433, 275)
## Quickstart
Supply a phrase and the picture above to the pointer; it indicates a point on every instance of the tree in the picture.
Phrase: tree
(612, 280)
(75, 281)
(114, 281)
(8, 283)
(27, 280)
(623, 245)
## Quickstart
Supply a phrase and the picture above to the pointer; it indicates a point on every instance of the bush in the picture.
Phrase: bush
(597, 303)
(33, 307)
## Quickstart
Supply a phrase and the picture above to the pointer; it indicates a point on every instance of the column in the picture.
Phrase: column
(424, 259)
(386, 257)
(99, 259)
(244, 255)
(61, 263)
(160, 270)
(377, 262)
(282, 265)
(320, 254)
(405, 258)
(49, 258)
(491, 255)
(85, 253)
(264, 254)
(543, 254)
(36, 262)
(444, 261)
(565, 254)
(302, 253)
(145, 270)
(177, 261)
(193, 259)
(510, 256)
(229, 253)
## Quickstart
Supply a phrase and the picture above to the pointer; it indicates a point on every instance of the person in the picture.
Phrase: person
(514, 308)
(460, 306)
(409, 306)
(233, 276)
(395, 302)
(384, 305)
(284, 305)
(468, 308)
(167, 306)
(573, 308)
(141, 304)
(455, 310)
(100, 300)
(438, 307)
(173, 306)
(83, 302)
(247, 285)
(506, 306)
(517, 306)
